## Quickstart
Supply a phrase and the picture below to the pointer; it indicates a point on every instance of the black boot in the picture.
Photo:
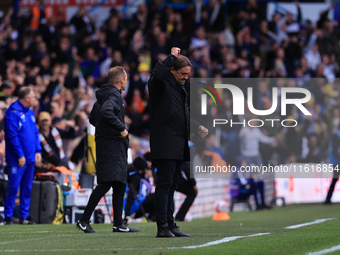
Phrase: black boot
(163, 231)
(178, 233)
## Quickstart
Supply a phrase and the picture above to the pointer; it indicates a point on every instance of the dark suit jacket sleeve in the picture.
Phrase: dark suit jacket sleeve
(161, 71)
(194, 125)
(107, 112)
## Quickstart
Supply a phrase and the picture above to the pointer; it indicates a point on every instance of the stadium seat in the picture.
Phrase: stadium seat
(238, 201)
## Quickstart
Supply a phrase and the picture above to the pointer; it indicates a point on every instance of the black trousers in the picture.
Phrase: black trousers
(332, 186)
(168, 177)
(117, 200)
(185, 188)
(148, 206)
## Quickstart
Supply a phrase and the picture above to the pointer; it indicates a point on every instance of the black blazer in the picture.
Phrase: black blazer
(170, 120)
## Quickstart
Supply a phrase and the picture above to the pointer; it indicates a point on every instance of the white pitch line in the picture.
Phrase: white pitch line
(325, 251)
(224, 240)
(309, 223)
(24, 240)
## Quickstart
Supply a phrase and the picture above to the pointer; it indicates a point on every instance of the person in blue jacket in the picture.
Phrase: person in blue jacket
(22, 151)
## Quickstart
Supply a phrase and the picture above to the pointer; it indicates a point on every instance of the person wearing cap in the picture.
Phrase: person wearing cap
(22, 151)
(78, 124)
(51, 137)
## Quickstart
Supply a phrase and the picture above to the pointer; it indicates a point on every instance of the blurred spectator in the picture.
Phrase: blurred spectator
(279, 65)
(135, 117)
(136, 189)
(312, 53)
(229, 137)
(63, 175)
(200, 42)
(135, 146)
(84, 24)
(78, 124)
(250, 138)
(112, 33)
(315, 152)
(294, 141)
(243, 187)
(212, 155)
(90, 64)
(51, 137)
(40, 15)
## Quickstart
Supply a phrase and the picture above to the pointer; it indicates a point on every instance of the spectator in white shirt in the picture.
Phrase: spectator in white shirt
(250, 139)
(200, 42)
(330, 68)
(312, 53)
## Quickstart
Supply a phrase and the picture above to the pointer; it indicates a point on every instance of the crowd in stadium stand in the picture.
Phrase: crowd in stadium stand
(66, 62)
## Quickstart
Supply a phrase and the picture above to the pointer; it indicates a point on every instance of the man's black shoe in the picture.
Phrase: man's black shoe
(27, 221)
(327, 202)
(124, 228)
(85, 227)
(163, 231)
(178, 233)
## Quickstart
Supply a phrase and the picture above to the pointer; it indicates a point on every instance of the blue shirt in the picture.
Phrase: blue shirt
(21, 134)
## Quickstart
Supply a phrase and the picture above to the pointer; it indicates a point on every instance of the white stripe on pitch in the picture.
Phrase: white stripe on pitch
(325, 251)
(309, 223)
(224, 240)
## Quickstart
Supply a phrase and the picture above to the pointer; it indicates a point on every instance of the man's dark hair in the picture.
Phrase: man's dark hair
(182, 61)
(24, 92)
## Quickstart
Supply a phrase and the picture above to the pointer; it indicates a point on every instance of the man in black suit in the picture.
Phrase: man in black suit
(169, 134)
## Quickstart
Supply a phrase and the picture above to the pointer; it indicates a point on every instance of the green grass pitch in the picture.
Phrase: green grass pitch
(66, 239)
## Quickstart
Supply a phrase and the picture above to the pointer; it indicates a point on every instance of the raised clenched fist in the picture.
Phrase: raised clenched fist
(175, 51)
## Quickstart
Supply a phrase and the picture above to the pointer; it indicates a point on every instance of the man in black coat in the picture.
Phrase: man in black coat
(112, 144)
(169, 134)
